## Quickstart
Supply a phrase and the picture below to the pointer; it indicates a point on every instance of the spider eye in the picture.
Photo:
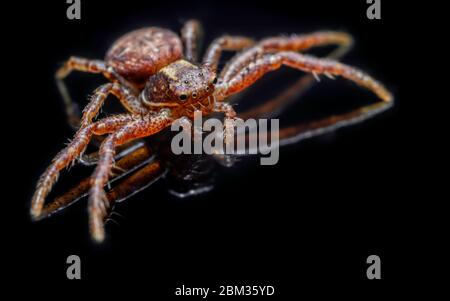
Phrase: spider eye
(214, 80)
(183, 97)
(194, 95)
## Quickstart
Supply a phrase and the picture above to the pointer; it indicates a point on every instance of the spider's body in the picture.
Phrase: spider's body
(158, 79)
(151, 59)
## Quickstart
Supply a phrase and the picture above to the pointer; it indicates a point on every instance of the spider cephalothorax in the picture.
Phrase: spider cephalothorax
(158, 79)
(182, 86)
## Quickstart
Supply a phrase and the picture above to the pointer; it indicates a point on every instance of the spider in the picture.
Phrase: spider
(158, 79)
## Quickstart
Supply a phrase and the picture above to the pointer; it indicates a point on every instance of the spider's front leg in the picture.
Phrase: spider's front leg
(83, 65)
(189, 128)
(275, 106)
(98, 202)
(307, 63)
(290, 43)
(75, 148)
(270, 62)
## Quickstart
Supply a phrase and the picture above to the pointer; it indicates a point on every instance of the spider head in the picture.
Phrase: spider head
(180, 84)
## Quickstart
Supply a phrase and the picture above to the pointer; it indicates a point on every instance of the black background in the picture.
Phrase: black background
(305, 224)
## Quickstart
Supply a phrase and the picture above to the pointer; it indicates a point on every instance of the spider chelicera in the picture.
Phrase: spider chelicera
(158, 79)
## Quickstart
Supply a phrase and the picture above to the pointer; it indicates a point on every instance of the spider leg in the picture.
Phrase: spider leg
(291, 43)
(98, 204)
(122, 151)
(276, 105)
(83, 65)
(126, 97)
(307, 63)
(230, 120)
(188, 127)
(230, 43)
(191, 34)
(69, 154)
(128, 164)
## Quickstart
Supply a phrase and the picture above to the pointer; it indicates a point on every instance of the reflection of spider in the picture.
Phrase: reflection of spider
(158, 83)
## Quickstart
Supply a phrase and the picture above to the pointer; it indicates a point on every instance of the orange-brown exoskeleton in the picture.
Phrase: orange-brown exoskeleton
(158, 78)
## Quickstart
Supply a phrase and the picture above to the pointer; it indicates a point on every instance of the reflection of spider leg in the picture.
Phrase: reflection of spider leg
(296, 133)
(191, 34)
(126, 97)
(69, 154)
(98, 203)
(133, 184)
(292, 43)
(275, 106)
(130, 163)
(230, 43)
(136, 182)
(83, 65)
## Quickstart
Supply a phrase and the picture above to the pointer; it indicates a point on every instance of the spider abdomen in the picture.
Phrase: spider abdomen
(142, 52)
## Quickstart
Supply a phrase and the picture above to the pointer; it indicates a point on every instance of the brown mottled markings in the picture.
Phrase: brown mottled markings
(173, 69)
(143, 52)
(157, 87)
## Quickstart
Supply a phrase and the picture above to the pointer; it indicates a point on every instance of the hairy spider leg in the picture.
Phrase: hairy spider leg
(191, 35)
(69, 154)
(129, 164)
(290, 43)
(230, 120)
(276, 105)
(308, 63)
(98, 203)
(225, 43)
(83, 65)
(121, 151)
